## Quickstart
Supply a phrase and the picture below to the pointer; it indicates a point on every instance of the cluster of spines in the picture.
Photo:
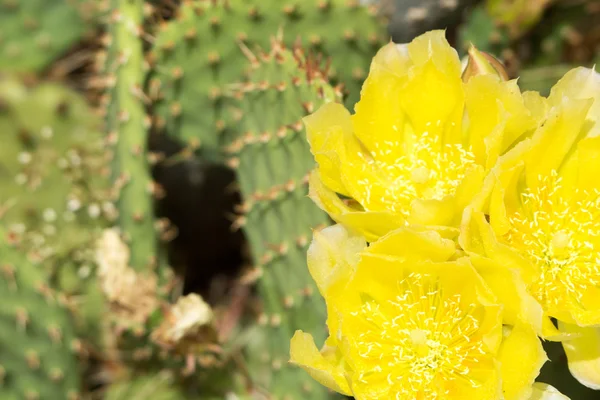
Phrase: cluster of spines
(272, 159)
(197, 55)
(38, 347)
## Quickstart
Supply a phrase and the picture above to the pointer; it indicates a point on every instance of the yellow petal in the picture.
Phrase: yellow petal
(521, 356)
(434, 46)
(433, 212)
(447, 232)
(493, 142)
(393, 58)
(490, 103)
(326, 130)
(333, 255)
(553, 142)
(364, 180)
(503, 270)
(551, 332)
(484, 238)
(379, 121)
(480, 201)
(543, 391)
(505, 198)
(469, 188)
(586, 312)
(537, 106)
(499, 189)
(407, 244)
(433, 97)
(580, 83)
(433, 102)
(304, 353)
(583, 354)
(588, 157)
(490, 387)
(508, 286)
(371, 225)
(324, 197)
(469, 238)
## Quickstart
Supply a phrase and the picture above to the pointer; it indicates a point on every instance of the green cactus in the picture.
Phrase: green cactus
(198, 53)
(37, 344)
(157, 387)
(53, 186)
(272, 158)
(36, 32)
(128, 125)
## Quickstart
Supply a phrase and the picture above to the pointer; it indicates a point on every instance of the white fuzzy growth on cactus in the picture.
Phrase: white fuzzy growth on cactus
(185, 319)
(132, 296)
(111, 253)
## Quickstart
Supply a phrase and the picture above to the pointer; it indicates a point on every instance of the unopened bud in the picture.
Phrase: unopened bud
(482, 63)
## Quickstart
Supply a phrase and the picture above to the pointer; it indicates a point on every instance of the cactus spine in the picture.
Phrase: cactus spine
(128, 126)
(272, 159)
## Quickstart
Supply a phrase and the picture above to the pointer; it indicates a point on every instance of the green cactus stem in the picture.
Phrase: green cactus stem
(128, 127)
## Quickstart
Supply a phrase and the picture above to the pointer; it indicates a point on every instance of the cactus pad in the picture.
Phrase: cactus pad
(51, 164)
(37, 344)
(199, 52)
(272, 159)
(35, 32)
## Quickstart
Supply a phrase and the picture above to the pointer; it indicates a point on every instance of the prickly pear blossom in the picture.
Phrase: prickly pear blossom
(468, 218)
(544, 206)
(407, 320)
(420, 143)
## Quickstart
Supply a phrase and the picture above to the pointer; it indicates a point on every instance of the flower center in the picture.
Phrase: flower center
(428, 170)
(560, 243)
(420, 341)
(420, 175)
(559, 231)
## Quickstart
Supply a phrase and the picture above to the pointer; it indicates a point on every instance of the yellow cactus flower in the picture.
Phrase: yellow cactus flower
(544, 208)
(408, 319)
(420, 143)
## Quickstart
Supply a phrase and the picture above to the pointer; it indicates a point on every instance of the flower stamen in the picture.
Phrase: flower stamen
(558, 231)
(427, 339)
(427, 171)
